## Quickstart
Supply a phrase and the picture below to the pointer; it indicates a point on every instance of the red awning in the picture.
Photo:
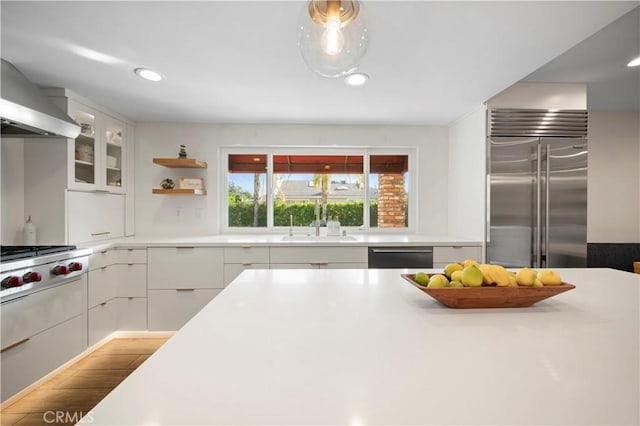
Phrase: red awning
(317, 164)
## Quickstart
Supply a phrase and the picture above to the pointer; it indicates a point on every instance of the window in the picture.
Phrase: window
(247, 189)
(269, 188)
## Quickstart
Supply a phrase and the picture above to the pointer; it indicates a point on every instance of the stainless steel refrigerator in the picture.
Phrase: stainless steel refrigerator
(537, 188)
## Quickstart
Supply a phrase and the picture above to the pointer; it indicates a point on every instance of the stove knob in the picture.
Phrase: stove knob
(12, 281)
(32, 277)
(60, 270)
(75, 266)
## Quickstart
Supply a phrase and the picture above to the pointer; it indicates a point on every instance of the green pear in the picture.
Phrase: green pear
(421, 278)
(471, 276)
(456, 284)
(450, 268)
(456, 276)
(438, 281)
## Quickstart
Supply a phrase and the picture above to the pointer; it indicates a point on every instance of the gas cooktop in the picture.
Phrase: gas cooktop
(9, 253)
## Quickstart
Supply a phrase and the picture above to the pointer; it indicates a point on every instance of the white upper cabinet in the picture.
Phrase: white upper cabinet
(98, 153)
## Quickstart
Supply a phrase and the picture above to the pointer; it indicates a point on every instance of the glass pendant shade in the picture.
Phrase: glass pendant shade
(333, 36)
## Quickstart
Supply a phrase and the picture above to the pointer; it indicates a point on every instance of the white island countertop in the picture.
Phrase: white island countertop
(358, 347)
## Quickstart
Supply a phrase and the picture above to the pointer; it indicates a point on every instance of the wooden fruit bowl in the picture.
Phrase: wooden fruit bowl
(490, 297)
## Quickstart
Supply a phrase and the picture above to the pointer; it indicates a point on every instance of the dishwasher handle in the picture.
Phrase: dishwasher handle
(400, 251)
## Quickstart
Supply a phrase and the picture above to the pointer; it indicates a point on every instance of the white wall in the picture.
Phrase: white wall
(467, 169)
(12, 191)
(194, 215)
(614, 177)
(542, 96)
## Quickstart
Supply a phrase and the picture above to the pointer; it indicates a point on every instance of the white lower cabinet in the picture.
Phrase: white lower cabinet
(232, 270)
(182, 280)
(102, 321)
(42, 353)
(117, 293)
(118, 314)
(131, 313)
(442, 255)
(40, 332)
(185, 267)
(318, 257)
(169, 310)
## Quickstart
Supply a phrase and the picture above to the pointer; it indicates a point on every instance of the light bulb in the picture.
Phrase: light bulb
(332, 40)
(332, 36)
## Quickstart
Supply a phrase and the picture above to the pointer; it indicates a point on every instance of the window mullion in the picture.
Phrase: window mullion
(366, 207)
(269, 193)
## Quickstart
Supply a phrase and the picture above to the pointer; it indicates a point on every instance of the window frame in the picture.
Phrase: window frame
(270, 151)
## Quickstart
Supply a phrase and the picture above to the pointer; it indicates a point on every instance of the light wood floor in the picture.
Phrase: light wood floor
(82, 385)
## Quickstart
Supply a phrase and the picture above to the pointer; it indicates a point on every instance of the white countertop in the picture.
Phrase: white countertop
(277, 239)
(364, 347)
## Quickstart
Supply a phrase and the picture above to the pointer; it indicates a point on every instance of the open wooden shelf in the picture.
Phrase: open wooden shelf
(181, 162)
(180, 191)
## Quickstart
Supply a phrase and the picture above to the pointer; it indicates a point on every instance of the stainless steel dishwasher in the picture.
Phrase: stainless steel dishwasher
(401, 257)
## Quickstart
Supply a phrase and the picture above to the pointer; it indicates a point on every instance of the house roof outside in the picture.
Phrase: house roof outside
(303, 190)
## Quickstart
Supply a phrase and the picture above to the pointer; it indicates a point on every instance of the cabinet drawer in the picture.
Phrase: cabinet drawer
(117, 256)
(22, 318)
(102, 321)
(246, 254)
(185, 267)
(448, 254)
(171, 309)
(131, 313)
(128, 256)
(131, 280)
(318, 255)
(102, 286)
(232, 270)
(31, 360)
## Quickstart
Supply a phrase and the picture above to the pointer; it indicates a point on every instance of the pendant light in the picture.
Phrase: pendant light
(333, 36)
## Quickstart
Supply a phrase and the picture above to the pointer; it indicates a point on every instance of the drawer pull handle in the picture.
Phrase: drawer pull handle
(319, 263)
(100, 233)
(130, 298)
(17, 298)
(130, 264)
(15, 344)
(185, 248)
(103, 303)
(185, 289)
(402, 251)
(103, 268)
(246, 263)
(246, 246)
(456, 247)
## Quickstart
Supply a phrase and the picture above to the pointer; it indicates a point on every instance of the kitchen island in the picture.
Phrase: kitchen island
(366, 347)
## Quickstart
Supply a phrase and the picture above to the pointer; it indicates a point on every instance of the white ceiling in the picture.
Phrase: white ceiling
(231, 62)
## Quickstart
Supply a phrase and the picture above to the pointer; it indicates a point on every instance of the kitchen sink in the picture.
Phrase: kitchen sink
(322, 238)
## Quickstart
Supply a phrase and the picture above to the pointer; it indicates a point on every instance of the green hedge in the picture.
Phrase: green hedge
(349, 213)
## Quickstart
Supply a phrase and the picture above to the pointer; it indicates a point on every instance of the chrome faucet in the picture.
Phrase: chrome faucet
(316, 210)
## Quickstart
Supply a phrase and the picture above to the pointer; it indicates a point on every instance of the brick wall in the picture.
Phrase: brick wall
(391, 201)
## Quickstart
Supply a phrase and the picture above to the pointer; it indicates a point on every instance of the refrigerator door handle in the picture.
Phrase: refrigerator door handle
(536, 244)
(547, 203)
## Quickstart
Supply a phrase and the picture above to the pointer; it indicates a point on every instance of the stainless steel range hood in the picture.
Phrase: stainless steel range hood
(26, 112)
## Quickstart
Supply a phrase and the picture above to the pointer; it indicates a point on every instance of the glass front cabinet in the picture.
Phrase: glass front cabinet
(98, 153)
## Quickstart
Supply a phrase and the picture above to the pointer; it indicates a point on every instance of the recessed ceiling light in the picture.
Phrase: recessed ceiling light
(634, 63)
(356, 79)
(148, 74)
